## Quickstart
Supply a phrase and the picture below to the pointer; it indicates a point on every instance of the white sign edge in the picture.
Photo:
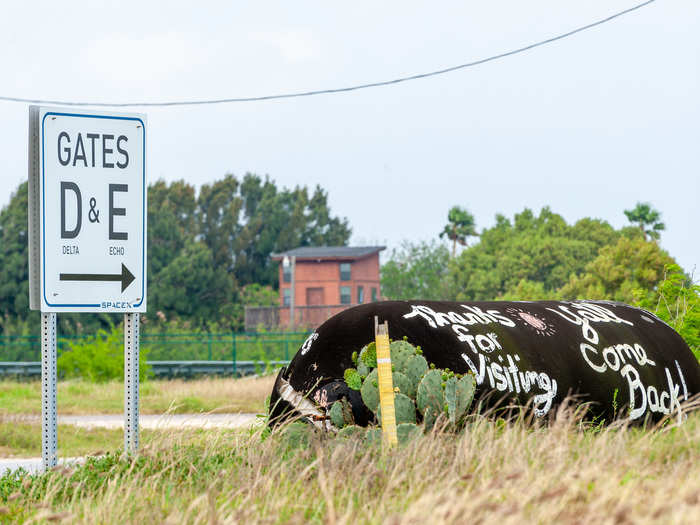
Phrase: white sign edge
(34, 212)
(35, 169)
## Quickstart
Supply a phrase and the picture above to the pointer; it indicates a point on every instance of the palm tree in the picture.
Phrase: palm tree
(460, 225)
(643, 215)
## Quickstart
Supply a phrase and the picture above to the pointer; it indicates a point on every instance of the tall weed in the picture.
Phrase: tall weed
(677, 302)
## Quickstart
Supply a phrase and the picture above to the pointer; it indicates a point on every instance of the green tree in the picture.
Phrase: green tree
(321, 228)
(275, 220)
(258, 295)
(511, 257)
(416, 271)
(218, 212)
(191, 287)
(647, 219)
(619, 271)
(171, 223)
(527, 290)
(14, 250)
(459, 227)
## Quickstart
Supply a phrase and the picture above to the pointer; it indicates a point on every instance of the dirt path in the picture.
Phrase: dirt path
(149, 421)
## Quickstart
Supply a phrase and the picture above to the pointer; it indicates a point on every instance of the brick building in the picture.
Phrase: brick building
(327, 280)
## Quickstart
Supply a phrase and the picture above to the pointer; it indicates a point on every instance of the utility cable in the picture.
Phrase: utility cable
(336, 90)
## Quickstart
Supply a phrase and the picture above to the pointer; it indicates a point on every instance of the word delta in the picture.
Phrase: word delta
(114, 211)
(73, 153)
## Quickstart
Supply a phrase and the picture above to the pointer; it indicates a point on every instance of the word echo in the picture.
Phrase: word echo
(95, 149)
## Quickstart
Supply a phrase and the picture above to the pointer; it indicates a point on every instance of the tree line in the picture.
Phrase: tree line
(208, 251)
(208, 257)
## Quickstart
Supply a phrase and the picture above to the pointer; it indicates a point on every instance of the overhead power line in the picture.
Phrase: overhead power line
(336, 90)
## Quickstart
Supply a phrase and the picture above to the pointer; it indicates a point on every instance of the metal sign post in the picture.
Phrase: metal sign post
(131, 383)
(48, 391)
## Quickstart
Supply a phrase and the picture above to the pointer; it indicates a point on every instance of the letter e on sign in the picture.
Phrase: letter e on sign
(87, 211)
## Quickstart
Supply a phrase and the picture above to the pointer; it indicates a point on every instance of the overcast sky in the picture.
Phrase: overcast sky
(588, 125)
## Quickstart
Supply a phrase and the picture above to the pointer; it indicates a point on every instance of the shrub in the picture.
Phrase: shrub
(99, 358)
(677, 302)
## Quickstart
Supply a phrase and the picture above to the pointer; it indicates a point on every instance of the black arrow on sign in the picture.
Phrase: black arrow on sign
(126, 277)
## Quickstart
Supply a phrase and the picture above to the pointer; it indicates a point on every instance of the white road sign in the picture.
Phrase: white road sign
(87, 173)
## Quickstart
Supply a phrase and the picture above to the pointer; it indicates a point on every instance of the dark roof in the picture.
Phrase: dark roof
(329, 252)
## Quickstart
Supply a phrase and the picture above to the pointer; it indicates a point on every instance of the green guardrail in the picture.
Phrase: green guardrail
(160, 369)
(254, 346)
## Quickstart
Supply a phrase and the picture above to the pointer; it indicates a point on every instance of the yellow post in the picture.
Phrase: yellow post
(386, 384)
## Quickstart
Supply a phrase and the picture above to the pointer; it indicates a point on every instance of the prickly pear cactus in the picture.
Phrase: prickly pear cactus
(422, 392)
(404, 384)
(429, 418)
(429, 394)
(296, 435)
(416, 367)
(351, 431)
(362, 369)
(368, 355)
(352, 379)
(430, 397)
(341, 414)
(373, 435)
(401, 352)
(406, 432)
(404, 408)
(336, 414)
(466, 386)
(370, 390)
(451, 399)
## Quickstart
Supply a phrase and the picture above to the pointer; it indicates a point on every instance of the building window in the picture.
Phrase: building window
(287, 273)
(345, 295)
(360, 295)
(344, 271)
(286, 297)
(374, 294)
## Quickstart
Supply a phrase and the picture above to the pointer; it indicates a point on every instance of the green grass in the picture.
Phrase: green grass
(505, 472)
(157, 397)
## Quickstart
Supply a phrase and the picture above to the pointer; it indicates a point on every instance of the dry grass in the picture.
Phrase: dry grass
(247, 394)
(496, 472)
(19, 439)
(80, 397)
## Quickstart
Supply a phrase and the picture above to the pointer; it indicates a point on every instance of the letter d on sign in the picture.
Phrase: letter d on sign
(71, 234)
